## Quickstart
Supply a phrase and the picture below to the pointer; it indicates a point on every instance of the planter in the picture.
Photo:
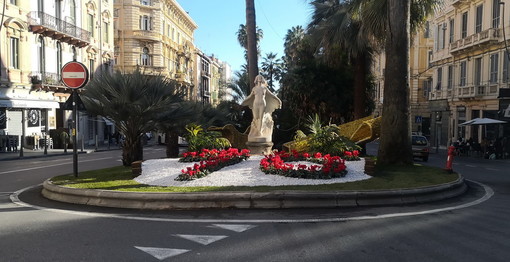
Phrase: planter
(369, 166)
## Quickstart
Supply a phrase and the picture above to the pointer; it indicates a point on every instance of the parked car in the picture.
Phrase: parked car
(420, 146)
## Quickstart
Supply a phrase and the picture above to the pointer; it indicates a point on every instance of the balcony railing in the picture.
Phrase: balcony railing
(147, 35)
(487, 36)
(45, 78)
(45, 24)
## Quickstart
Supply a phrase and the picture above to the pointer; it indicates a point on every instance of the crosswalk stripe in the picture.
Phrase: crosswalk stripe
(235, 228)
(162, 253)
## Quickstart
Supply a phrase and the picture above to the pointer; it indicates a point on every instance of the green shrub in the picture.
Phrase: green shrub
(199, 139)
(324, 139)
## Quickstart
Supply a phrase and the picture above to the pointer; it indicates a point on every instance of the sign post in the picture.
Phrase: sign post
(75, 75)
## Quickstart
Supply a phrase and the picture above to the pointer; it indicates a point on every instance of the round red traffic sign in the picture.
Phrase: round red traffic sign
(75, 75)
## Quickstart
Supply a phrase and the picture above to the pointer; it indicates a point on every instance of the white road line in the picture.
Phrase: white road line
(61, 164)
(488, 194)
(491, 169)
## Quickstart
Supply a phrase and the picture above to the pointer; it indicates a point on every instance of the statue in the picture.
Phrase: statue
(262, 103)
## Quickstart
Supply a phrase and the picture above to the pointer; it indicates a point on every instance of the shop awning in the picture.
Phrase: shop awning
(20, 103)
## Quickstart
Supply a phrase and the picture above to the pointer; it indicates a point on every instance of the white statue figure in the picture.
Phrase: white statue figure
(262, 103)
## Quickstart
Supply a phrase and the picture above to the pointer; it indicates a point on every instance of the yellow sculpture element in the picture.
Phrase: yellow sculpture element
(363, 130)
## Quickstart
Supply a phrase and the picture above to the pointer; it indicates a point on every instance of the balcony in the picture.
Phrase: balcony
(488, 36)
(50, 26)
(146, 35)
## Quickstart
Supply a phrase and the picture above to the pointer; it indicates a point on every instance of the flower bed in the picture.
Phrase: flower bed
(210, 161)
(277, 163)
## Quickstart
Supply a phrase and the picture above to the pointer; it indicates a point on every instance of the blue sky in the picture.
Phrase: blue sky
(219, 20)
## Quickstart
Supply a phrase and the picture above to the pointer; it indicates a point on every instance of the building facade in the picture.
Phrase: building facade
(155, 36)
(470, 63)
(37, 38)
(420, 80)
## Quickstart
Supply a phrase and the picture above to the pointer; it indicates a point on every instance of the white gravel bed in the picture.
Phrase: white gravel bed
(162, 172)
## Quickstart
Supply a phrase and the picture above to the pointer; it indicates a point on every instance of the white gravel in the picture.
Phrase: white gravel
(162, 172)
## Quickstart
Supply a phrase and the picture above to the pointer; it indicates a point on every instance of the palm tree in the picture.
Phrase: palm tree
(371, 18)
(240, 86)
(251, 33)
(293, 40)
(242, 38)
(132, 101)
(334, 26)
(272, 69)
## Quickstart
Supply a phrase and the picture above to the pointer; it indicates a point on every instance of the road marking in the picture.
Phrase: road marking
(202, 239)
(488, 194)
(162, 253)
(235, 228)
(471, 166)
(491, 169)
(61, 164)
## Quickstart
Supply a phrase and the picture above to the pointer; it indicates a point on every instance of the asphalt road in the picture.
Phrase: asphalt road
(460, 229)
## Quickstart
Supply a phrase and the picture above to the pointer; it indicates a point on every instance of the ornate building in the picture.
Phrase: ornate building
(155, 36)
(37, 38)
(471, 68)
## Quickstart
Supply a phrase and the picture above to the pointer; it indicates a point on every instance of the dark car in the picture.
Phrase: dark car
(420, 146)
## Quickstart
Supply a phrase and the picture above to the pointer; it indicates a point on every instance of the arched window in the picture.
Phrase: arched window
(145, 56)
(59, 58)
(41, 55)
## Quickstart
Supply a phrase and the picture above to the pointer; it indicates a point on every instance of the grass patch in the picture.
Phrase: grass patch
(397, 177)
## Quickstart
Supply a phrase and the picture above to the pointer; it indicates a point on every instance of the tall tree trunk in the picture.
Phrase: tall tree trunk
(395, 142)
(251, 33)
(172, 144)
(360, 86)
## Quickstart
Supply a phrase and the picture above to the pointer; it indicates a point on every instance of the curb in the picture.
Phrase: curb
(246, 200)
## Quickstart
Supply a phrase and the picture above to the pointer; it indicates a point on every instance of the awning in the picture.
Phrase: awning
(108, 122)
(19, 103)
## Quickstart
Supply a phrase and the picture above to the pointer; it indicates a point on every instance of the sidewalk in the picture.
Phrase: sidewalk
(29, 153)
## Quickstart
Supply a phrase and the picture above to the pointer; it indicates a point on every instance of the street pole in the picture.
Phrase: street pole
(75, 144)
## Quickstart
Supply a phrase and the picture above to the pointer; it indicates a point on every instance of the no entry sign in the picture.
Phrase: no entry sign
(75, 75)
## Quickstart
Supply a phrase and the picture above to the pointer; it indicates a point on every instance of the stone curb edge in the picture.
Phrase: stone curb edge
(245, 200)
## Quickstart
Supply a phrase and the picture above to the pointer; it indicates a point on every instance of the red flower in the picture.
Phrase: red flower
(306, 155)
(317, 155)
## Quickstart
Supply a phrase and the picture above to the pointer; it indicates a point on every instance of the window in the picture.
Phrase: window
(13, 2)
(430, 59)
(72, 9)
(145, 22)
(41, 54)
(106, 32)
(426, 33)
(479, 17)
(145, 2)
(463, 71)
(493, 78)
(59, 58)
(145, 56)
(478, 71)
(495, 13)
(91, 68)
(426, 87)
(441, 28)
(506, 72)
(14, 52)
(439, 78)
(91, 24)
(75, 54)
(464, 25)
(40, 5)
(450, 77)
(452, 31)
(58, 10)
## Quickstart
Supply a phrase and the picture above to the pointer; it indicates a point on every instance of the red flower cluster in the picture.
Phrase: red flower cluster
(332, 166)
(210, 161)
(351, 156)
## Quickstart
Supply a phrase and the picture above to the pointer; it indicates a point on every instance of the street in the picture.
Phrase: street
(453, 230)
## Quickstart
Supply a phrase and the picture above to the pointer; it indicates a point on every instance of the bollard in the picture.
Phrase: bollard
(449, 159)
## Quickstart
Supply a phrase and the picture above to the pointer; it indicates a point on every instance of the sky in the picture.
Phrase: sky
(219, 20)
